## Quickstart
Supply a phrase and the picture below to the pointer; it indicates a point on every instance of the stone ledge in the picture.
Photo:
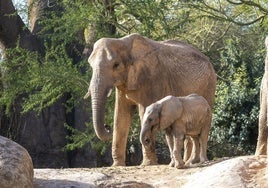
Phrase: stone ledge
(244, 171)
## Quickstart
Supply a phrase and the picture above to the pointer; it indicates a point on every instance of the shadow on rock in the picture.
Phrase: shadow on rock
(43, 183)
(128, 184)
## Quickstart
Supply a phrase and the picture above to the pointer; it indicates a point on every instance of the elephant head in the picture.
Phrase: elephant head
(159, 116)
(112, 64)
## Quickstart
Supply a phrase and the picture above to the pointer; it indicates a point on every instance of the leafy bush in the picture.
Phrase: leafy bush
(237, 99)
(40, 81)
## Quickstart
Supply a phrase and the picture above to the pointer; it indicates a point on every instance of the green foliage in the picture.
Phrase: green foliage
(237, 97)
(40, 80)
(16, 73)
(242, 13)
(40, 84)
(78, 139)
(154, 19)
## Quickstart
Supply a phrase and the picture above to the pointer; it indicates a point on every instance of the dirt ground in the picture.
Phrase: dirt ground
(245, 171)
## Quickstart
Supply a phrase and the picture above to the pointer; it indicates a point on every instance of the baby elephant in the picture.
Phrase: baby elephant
(178, 116)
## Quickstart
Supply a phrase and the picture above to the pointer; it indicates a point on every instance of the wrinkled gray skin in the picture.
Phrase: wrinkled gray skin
(262, 144)
(143, 71)
(178, 116)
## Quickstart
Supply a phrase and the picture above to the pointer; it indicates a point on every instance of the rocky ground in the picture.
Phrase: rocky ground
(245, 171)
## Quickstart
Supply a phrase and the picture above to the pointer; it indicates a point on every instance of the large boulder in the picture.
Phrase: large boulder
(16, 167)
(244, 171)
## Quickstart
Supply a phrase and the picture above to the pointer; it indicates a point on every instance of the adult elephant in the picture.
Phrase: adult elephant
(262, 144)
(143, 71)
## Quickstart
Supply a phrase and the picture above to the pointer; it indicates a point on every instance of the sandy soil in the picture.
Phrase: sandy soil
(245, 171)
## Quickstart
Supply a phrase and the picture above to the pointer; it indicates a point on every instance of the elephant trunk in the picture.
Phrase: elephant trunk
(98, 94)
(148, 142)
(146, 138)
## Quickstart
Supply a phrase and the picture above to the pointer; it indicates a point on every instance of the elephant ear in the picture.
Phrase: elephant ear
(140, 46)
(171, 111)
(137, 68)
(136, 76)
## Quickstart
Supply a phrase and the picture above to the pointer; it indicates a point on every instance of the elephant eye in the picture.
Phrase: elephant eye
(147, 141)
(116, 65)
(150, 120)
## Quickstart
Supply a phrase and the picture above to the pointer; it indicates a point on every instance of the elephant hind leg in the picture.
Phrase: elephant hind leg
(203, 141)
(194, 158)
(188, 145)
(261, 148)
(262, 143)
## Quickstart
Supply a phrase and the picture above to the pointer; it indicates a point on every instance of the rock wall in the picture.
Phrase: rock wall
(44, 135)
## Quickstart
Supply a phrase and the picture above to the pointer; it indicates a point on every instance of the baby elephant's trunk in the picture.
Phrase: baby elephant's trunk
(147, 138)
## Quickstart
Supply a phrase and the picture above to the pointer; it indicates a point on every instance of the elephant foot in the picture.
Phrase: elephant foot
(118, 163)
(203, 160)
(179, 164)
(148, 162)
(192, 161)
(149, 159)
(172, 163)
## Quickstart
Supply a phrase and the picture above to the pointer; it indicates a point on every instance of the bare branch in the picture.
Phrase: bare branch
(250, 3)
(215, 13)
(235, 3)
(260, 18)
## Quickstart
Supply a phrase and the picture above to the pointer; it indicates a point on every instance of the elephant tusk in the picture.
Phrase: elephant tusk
(87, 95)
(110, 92)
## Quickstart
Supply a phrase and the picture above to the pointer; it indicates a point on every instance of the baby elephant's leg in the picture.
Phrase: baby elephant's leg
(170, 143)
(203, 139)
(178, 137)
(188, 146)
(195, 151)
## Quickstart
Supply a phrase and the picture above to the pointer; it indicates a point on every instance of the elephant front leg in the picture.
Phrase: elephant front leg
(124, 111)
(178, 144)
(170, 142)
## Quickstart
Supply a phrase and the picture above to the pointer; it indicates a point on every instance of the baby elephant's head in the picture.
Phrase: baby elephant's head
(149, 125)
(159, 116)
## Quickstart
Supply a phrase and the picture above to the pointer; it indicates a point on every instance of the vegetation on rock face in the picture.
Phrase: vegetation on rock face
(231, 33)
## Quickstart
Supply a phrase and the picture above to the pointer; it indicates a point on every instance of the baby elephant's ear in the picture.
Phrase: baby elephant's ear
(171, 111)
